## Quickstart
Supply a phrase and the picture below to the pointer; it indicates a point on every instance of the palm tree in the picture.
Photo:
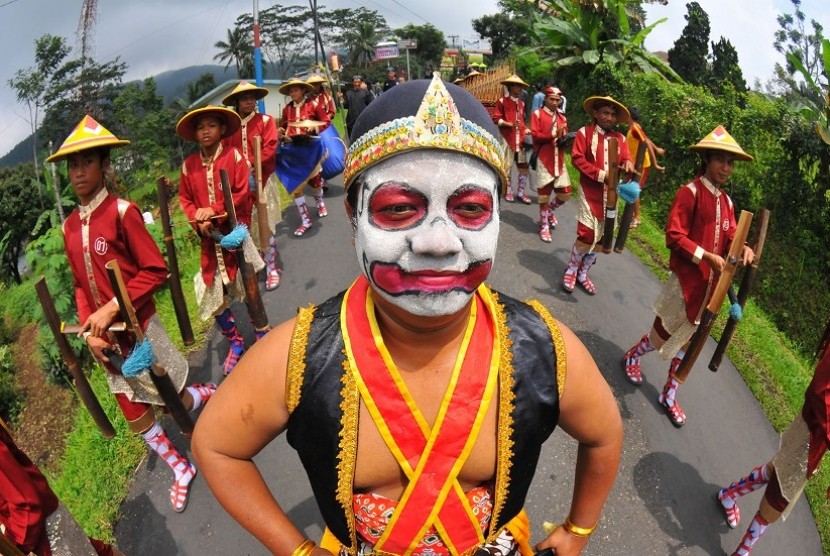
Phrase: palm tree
(360, 41)
(239, 50)
(817, 112)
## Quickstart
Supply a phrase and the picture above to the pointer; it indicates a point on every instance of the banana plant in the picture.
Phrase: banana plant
(816, 112)
(570, 33)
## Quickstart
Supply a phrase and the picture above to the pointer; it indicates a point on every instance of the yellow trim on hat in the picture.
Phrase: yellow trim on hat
(623, 116)
(88, 134)
(437, 125)
(186, 127)
(244, 87)
(720, 140)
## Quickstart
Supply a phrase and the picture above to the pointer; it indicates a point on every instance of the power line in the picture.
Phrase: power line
(3, 5)
(425, 20)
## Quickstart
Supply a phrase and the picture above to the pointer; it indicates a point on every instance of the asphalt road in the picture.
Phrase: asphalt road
(663, 500)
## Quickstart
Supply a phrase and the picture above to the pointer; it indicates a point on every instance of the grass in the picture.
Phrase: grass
(766, 359)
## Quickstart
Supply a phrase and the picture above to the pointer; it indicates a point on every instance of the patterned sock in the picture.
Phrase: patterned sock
(555, 204)
(757, 478)
(640, 348)
(588, 260)
(270, 255)
(670, 389)
(522, 185)
(573, 261)
(757, 528)
(158, 441)
(303, 210)
(544, 214)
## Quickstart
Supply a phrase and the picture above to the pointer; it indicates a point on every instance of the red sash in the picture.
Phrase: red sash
(430, 458)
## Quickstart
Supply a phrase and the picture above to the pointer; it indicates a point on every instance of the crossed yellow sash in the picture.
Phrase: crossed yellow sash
(431, 458)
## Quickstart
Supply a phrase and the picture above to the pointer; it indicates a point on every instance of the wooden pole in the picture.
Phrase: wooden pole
(628, 211)
(256, 309)
(174, 281)
(707, 319)
(746, 286)
(161, 380)
(82, 386)
(262, 203)
(610, 196)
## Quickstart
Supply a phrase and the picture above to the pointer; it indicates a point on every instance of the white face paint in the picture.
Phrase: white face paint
(427, 229)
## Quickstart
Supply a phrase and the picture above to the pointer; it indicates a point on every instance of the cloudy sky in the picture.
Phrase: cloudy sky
(158, 35)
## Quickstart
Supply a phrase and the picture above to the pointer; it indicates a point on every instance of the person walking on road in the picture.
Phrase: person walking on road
(419, 398)
(355, 101)
(106, 228)
(803, 445)
(549, 126)
(509, 115)
(699, 233)
(589, 156)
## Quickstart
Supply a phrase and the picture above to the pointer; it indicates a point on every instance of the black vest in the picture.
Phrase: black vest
(316, 423)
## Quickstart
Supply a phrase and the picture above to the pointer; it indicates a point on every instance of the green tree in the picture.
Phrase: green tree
(574, 34)
(237, 49)
(503, 32)
(795, 42)
(31, 84)
(287, 36)
(431, 42)
(18, 215)
(725, 69)
(361, 42)
(197, 88)
(338, 27)
(689, 56)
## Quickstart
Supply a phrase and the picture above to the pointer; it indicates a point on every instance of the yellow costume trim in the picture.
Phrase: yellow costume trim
(558, 343)
(504, 433)
(296, 357)
(350, 406)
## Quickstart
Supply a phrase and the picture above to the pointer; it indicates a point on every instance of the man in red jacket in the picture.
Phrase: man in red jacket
(699, 233)
(590, 156)
(509, 115)
(244, 99)
(548, 126)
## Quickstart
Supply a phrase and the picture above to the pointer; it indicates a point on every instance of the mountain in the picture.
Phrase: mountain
(170, 85)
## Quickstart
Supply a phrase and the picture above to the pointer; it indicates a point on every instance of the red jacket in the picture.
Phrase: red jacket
(511, 110)
(26, 499)
(116, 231)
(546, 127)
(701, 218)
(816, 412)
(307, 110)
(255, 124)
(193, 194)
(591, 163)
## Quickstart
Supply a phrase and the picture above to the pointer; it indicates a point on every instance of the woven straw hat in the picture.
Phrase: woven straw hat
(186, 128)
(513, 80)
(294, 83)
(314, 79)
(623, 116)
(244, 87)
(88, 134)
(720, 140)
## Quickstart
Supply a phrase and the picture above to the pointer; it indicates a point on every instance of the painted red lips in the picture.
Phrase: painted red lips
(392, 279)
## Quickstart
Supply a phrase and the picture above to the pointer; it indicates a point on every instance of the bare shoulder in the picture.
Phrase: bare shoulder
(248, 409)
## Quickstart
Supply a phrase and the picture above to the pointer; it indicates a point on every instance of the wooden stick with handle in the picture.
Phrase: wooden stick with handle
(261, 203)
(161, 380)
(174, 281)
(253, 299)
(707, 319)
(8, 548)
(746, 286)
(610, 196)
(628, 211)
(73, 364)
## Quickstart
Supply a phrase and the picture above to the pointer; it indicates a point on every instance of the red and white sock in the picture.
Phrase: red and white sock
(670, 389)
(158, 441)
(640, 348)
(757, 478)
(544, 214)
(756, 529)
(201, 393)
(574, 260)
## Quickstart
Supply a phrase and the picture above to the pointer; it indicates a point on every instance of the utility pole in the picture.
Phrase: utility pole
(453, 37)
(258, 56)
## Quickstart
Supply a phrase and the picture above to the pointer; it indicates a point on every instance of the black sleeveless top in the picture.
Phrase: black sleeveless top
(323, 400)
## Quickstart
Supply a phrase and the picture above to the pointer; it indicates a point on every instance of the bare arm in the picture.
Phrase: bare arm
(247, 412)
(588, 413)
